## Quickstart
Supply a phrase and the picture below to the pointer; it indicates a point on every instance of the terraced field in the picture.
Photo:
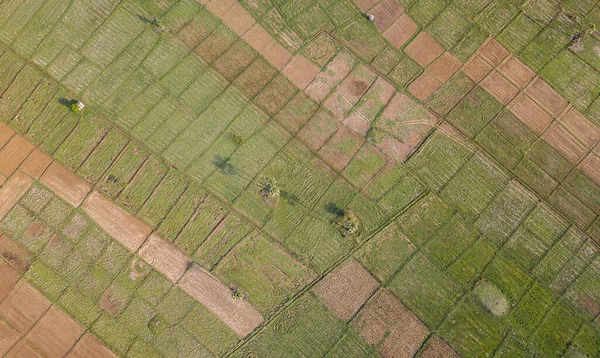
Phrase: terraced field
(437, 166)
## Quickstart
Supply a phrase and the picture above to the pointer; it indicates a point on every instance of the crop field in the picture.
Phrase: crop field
(300, 178)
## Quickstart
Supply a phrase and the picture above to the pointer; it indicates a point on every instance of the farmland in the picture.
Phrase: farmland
(262, 178)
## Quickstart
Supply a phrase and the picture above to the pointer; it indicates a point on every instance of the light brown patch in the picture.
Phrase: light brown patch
(401, 31)
(499, 87)
(340, 149)
(239, 315)
(437, 348)
(276, 54)
(564, 142)
(424, 86)
(541, 92)
(492, 51)
(12, 190)
(320, 127)
(350, 91)
(36, 163)
(65, 184)
(532, 115)
(346, 289)
(516, 71)
(385, 13)
(220, 7)
(390, 327)
(257, 37)
(90, 347)
(444, 67)
(581, 127)
(16, 255)
(238, 19)
(398, 150)
(55, 334)
(476, 68)
(363, 115)
(8, 337)
(13, 154)
(423, 49)
(23, 350)
(8, 279)
(6, 133)
(126, 228)
(110, 303)
(336, 70)
(365, 5)
(165, 257)
(590, 166)
(300, 71)
(23, 307)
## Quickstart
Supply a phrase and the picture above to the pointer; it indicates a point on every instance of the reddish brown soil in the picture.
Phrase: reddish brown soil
(516, 71)
(541, 92)
(257, 37)
(276, 54)
(386, 324)
(13, 154)
(219, 7)
(499, 87)
(55, 334)
(581, 127)
(424, 86)
(423, 49)
(591, 167)
(6, 134)
(65, 184)
(23, 307)
(238, 19)
(301, 71)
(8, 279)
(437, 348)
(8, 337)
(565, 143)
(385, 13)
(36, 163)
(346, 289)
(401, 31)
(476, 68)
(126, 228)
(165, 257)
(16, 255)
(12, 190)
(493, 52)
(444, 67)
(90, 347)
(340, 149)
(532, 115)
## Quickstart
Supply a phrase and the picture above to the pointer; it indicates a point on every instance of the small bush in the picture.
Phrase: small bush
(270, 188)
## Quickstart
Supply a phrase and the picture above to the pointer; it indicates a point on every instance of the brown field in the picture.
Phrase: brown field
(165, 257)
(346, 289)
(437, 348)
(385, 323)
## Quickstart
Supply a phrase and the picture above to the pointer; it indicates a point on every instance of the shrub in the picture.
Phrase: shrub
(270, 188)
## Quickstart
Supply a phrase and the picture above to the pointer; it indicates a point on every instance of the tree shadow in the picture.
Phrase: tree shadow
(334, 209)
(223, 165)
(67, 102)
(290, 197)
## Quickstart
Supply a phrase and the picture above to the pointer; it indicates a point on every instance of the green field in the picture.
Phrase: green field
(459, 203)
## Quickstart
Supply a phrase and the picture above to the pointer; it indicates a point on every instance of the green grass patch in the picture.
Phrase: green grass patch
(556, 331)
(467, 268)
(425, 290)
(88, 132)
(208, 215)
(102, 156)
(405, 71)
(451, 92)
(496, 16)
(142, 185)
(163, 198)
(474, 112)
(535, 177)
(207, 329)
(423, 11)
(449, 242)
(424, 219)
(558, 256)
(122, 171)
(508, 277)
(449, 27)
(362, 39)
(519, 33)
(223, 238)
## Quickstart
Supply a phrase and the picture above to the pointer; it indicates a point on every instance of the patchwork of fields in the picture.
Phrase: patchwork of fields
(463, 135)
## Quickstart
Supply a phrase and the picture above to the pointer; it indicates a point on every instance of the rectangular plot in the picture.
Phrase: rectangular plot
(181, 212)
(584, 189)
(574, 267)
(474, 112)
(424, 218)
(180, 14)
(39, 26)
(525, 248)
(403, 194)
(137, 109)
(47, 120)
(21, 87)
(474, 186)
(113, 37)
(546, 224)
(43, 96)
(335, 199)
(558, 256)
(13, 25)
(183, 74)
(54, 139)
(556, 331)
(122, 170)
(221, 240)
(505, 213)
(206, 128)
(82, 76)
(273, 273)
(82, 141)
(115, 74)
(499, 147)
(449, 242)
(584, 293)
(199, 95)
(135, 194)
(157, 115)
(64, 62)
(420, 279)
(535, 177)
(166, 54)
(127, 92)
(384, 180)
(531, 309)
(572, 207)
(163, 198)
(209, 214)
(308, 188)
(438, 159)
(468, 267)
(549, 159)
(504, 273)
(102, 156)
(168, 131)
(10, 65)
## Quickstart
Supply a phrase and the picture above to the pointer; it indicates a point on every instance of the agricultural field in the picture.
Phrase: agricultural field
(299, 178)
